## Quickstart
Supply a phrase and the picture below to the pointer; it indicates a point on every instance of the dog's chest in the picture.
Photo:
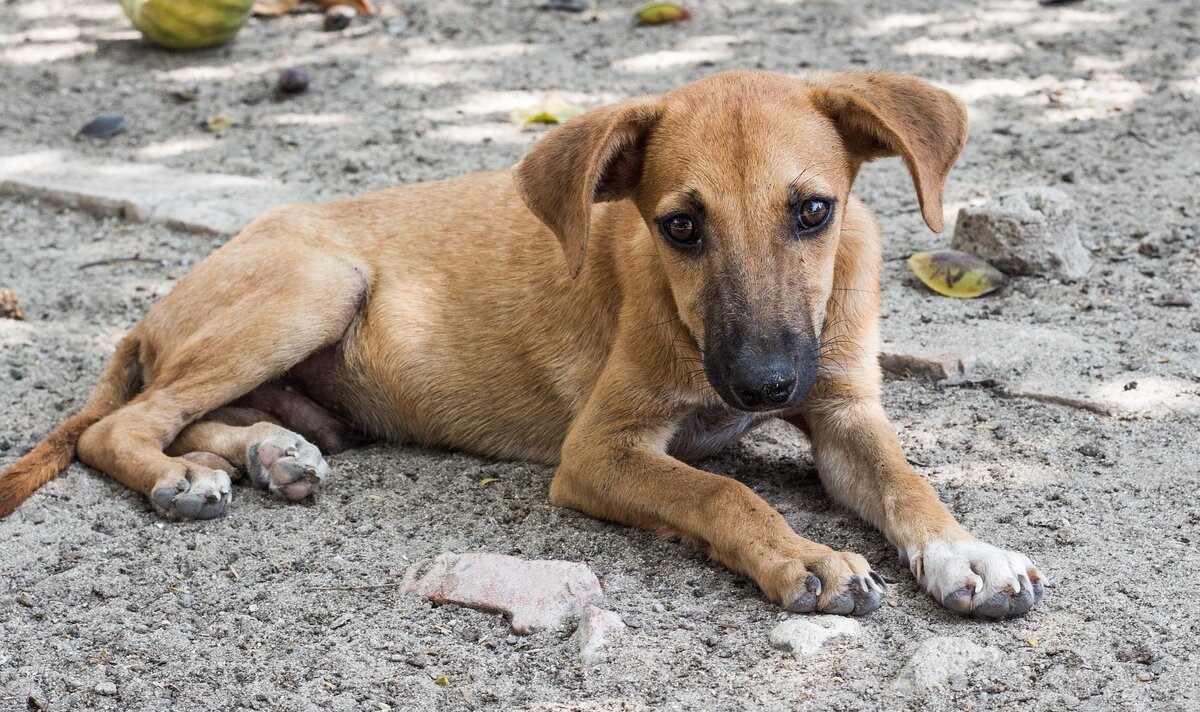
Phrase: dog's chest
(711, 429)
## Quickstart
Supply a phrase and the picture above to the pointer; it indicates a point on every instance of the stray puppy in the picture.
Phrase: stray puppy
(653, 280)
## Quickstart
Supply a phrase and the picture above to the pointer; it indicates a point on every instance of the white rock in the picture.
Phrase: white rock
(143, 192)
(805, 636)
(940, 661)
(1025, 231)
(595, 632)
(536, 594)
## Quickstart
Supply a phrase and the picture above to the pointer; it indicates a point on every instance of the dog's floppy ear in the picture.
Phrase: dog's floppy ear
(592, 158)
(883, 114)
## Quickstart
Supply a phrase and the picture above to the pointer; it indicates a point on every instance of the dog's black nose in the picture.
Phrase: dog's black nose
(769, 385)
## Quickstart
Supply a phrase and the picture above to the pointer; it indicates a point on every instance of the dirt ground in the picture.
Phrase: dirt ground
(105, 606)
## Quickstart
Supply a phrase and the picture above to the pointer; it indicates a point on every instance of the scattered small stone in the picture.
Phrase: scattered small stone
(1131, 386)
(899, 363)
(940, 660)
(341, 621)
(26, 600)
(536, 594)
(805, 636)
(37, 699)
(187, 94)
(568, 5)
(1172, 299)
(1145, 676)
(594, 633)
(1027, 231)
(10, 306)
(74, 683)
(16, 374)
(339, 17)
(292, 81)
(103, 126)
(1089, 450)
(108, 689)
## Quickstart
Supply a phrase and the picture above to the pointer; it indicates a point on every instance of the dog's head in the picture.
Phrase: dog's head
(742, 180)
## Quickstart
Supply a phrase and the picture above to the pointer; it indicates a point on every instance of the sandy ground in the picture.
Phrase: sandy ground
(1100, 98)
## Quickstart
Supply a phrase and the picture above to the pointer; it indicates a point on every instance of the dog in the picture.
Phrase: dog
(654, 279)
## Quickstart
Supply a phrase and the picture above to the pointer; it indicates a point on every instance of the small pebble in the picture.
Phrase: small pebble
(108, 689)
(338, 18)
(1145, 676)
(293, 80)
(103, 126)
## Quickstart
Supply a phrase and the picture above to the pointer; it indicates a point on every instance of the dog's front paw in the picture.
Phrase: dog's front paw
(839, 582)
(974, 578)
(202, 493)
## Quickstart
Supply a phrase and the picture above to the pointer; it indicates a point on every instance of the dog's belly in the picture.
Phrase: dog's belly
(709, 430)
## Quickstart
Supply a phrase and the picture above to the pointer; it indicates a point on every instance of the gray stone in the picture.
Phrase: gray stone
(1028, 231)
(942, 661)
(805, 636)
(210, 203)
(595, 632)
(107, 689)
(537, 595)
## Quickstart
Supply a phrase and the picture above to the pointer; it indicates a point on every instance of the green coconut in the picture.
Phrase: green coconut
(188, 24)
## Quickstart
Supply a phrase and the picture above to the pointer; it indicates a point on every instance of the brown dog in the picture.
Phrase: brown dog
(653, 280)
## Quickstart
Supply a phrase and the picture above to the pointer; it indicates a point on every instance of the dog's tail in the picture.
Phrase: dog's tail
(52, 455)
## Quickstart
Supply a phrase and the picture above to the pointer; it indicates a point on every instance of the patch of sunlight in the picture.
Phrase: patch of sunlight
(506, 133)
(695, 50)
(62, 33)
(177, 147)
(41, 53)
(502, 102)
(986, 21)
(1096, 63)
(888, 24)
(45, 9)
(980, 89)
(1068, 20)
(467, 54)
(13, 332)
(306, 120)
(959, 49)
(1153, 394)
(1087, 100)
(431, 76)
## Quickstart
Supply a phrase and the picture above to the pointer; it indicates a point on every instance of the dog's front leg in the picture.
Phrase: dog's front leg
(860, 462)
(614, 466)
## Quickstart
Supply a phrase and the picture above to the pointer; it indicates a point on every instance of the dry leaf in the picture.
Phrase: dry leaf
(956, 274)
(10, 308)
(552, 110)
(488, 481)
(272, 8)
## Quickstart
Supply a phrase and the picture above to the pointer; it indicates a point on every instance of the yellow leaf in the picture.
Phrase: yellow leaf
(218, 122)
(552, 110)
(488, 481)
(660, 13)
(956, 274)
(442, 681)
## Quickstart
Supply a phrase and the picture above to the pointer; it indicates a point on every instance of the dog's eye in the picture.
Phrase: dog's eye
(814, 213)
(680, 230)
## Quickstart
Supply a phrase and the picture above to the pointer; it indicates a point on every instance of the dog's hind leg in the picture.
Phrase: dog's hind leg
(275, 458)
(243, 317)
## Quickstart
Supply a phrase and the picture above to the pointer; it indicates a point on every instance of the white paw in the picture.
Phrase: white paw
(974, 578)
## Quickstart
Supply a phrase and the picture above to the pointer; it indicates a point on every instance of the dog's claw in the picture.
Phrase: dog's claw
(204, 494)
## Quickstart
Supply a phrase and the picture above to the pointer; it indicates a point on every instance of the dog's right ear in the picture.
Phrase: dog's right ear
(593, 158)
